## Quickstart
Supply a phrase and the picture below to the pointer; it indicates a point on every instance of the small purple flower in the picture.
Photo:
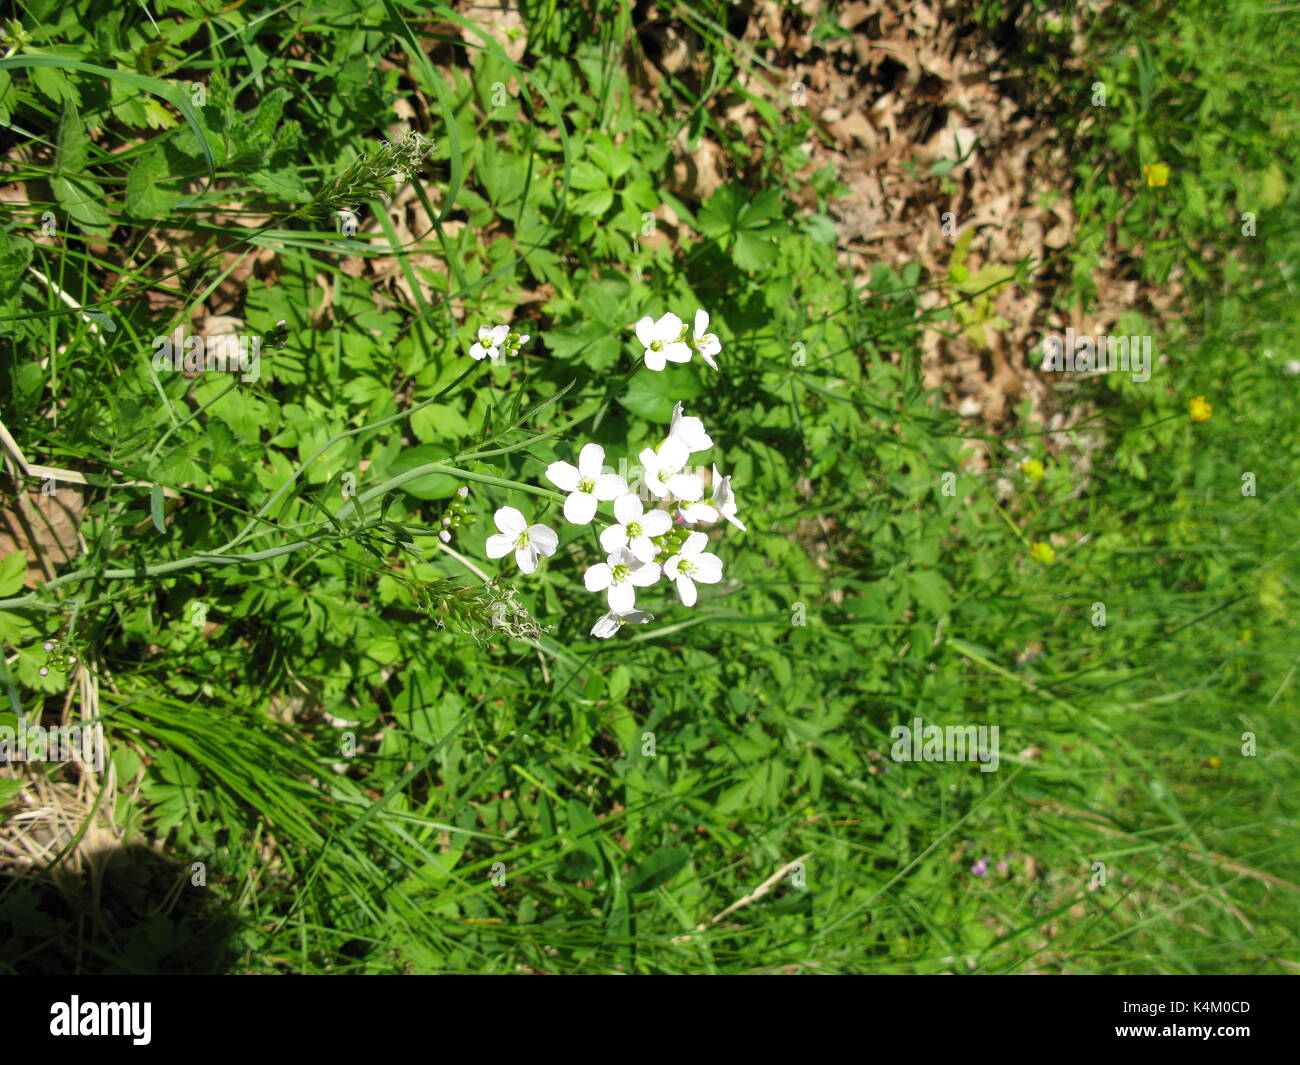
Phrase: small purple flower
(980, 868)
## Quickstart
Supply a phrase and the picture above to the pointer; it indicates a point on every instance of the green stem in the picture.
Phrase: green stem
(214, 558)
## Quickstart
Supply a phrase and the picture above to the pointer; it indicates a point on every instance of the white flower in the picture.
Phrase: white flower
(490, 339)
(692, 563)
(527, 540)
(622, 574)
(635, 528)
(608, 624)
(690, 431)
(707, 344)
(663, 470)
(722, 504)
(663, 341)
(585, 483)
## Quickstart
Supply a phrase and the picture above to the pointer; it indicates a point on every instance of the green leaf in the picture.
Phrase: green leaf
(658, 869)
(753, 252)
(439, 422)
(74, 145)
(13, 572)
(156, 508)
(15, 254)
(145, 196)
(83, 201)
(653, 395)
(433, 486)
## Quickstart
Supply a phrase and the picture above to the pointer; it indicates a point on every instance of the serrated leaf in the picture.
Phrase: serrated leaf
(83, 202)
(74, 145)
(15, 254)
(145, 196)
(753, 252)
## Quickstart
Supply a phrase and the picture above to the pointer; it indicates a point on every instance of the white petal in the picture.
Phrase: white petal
(708, 569)
(701, 322)
(609, 486)
(636, 617)
(485, 332)
(669, 327)
(544, 538)
(736, 521)
(526, 556)
(564, 476)
(510, 521)
(598, 577)
(654, 360)
(643, 575)
(641, 548)
(695, 543)
(686, 589)
(499, 545)
(672, 453)
(477, 352)
(677, 352)
(590, 461)
(499, 334)
(605, 627)
(649, 458)
(628, 508)
(707, 356)
(613, 538)
(645, 332)
(622, 598)
(690, 431)
(686, 486)
(655, 486)
(656, 523)
(580, 508)
(698, 512)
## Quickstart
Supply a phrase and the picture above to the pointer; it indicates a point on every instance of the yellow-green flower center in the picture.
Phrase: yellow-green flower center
(633, 530)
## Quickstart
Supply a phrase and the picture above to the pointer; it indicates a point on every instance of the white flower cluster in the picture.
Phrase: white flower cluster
(496, 342)
(641, 545)
(669, 339)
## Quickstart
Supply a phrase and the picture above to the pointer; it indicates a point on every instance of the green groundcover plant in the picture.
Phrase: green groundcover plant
(545, 566)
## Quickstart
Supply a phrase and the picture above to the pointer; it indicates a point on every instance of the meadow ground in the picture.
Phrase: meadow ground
(965, 657)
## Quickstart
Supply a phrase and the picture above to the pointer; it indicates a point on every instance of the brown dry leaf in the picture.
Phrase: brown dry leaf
(44, 526)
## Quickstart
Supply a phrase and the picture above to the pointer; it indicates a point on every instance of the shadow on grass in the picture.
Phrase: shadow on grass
(131, 912)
